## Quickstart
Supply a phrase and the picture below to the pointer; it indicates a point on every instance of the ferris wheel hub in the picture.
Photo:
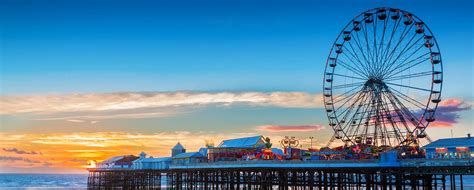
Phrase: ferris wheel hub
(375, 80)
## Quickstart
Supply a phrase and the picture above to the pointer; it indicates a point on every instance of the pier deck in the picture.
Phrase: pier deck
(368, 174)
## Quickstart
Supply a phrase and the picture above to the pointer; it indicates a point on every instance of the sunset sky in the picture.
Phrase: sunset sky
(86, 80)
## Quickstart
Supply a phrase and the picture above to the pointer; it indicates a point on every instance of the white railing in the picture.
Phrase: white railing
(437, 162)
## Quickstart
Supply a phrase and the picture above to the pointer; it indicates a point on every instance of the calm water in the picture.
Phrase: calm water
(43, 181)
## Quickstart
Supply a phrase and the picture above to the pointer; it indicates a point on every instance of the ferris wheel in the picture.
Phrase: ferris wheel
(383, 79)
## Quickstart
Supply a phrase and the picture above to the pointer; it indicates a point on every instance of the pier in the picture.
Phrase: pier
(344, 174)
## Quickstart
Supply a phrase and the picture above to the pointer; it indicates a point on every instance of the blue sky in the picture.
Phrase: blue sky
(83, 71)
(107, 46)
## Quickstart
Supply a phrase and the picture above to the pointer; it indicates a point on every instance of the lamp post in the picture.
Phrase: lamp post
(311, 139)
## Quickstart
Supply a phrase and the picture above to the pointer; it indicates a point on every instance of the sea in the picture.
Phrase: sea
(79, 181)
(43, 181)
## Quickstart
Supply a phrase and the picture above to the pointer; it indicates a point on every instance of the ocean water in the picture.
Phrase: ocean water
(79, 181)
(43, 181)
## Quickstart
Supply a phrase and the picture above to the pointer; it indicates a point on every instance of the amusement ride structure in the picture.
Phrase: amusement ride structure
(383, 80)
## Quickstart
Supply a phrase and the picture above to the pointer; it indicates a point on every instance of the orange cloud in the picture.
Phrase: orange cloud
(442, 124)
(451, 102)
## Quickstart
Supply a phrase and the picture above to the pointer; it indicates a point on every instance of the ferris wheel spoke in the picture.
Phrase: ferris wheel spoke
(382, 132)
(410, 102)
(362, 115)
(347, 98)
(347, 76)
(368, 119)
(398, 110)
(390, 55)
(345, 102)
(398, 105)
(389, 72)
(390, 62)
(374, 44)
(400, 70)
(414, 75)
(357, 84)
(412, 87)
(354, 55)
(395, 26)
(348, 67)
(361, 108)
(358, 43)
(394, 125)
(360, 93)
(409, 115)
(385, 121)
(409, 99)
(403, 68)
(356, 58)
(369, 52)
(413, 65)
(406, 48)
(364, 66)
(374, 26)
(381, 45)
(360, 99)
(352, 121)
(371, 48)
(390, 51)
(345, 94)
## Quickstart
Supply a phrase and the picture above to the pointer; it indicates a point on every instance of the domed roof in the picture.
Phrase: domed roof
(178, 146)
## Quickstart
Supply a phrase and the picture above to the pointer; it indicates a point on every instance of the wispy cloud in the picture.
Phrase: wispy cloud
(290, 128)
(21, 162)
(78, 161)
(98, 106)
(94, 117)
(13, 159)
(19, 151)
(9, 158)
(76, 120)
(447, 114)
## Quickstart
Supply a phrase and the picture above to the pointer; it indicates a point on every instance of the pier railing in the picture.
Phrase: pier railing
(283, 164)
(440, 162)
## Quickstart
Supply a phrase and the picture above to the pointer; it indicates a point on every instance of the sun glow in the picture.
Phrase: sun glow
(92, 164)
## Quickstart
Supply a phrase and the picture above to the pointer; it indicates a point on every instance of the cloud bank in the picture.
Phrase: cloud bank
(97, 106)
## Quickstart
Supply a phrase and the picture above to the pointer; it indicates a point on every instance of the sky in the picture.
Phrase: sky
(86, 80)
